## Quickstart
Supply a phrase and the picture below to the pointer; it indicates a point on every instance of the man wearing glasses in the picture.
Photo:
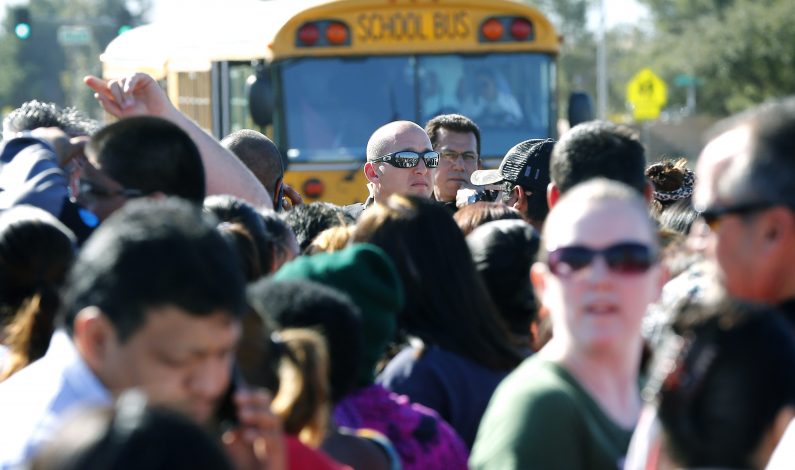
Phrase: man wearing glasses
(744, 193)
(457, 139)
(524, 176)
(400, 160)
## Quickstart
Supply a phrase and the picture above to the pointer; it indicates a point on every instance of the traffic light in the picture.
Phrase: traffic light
(21, 17)
(124, 20)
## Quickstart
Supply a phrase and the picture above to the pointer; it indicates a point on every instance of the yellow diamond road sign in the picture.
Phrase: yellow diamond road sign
(647, 93)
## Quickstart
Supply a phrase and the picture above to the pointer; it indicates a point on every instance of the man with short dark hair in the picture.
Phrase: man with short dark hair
(524, 176)
(457, 139)
(139, 156)
(35, 114)
(152, 302)
(46, 172)
(597, 149)
(140, 95)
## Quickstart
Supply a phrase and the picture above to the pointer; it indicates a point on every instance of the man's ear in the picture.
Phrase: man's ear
(537, 273)
(553, 194)
(276, 190)
(92, 334)
(521, 199)
(370, 173)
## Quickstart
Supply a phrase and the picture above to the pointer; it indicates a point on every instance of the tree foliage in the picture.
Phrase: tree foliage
(577, 63)
(741, 49)
(46, 70)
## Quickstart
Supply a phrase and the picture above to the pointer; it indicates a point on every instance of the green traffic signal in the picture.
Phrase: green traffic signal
(22, 27)
(123, 29)
(22, 30)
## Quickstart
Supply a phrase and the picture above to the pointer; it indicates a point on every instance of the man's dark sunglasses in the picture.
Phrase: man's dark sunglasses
(409, 159)
(712, 215)
(621, 258)
(86, 187)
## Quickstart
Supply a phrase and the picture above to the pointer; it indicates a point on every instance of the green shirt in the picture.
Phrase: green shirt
(540, 417)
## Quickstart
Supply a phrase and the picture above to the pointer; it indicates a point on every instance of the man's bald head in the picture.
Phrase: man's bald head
(385, 179)
(259, 154)
(397, 135)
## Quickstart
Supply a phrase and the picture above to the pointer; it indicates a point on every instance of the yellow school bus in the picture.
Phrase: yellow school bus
(320, 76)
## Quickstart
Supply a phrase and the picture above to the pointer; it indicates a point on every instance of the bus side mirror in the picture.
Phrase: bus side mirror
(260, 96)
(580, 108)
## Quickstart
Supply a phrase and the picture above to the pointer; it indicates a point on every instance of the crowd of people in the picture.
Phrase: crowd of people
(167, 301)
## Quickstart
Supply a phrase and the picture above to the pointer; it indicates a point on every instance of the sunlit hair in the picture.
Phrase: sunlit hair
(474, 215)
(36, 251)
(303, 399)
(238, 236)
(331, 240)
(35, 114)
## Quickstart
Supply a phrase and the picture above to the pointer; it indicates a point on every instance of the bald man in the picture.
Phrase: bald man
(400, 159)
(261, 156)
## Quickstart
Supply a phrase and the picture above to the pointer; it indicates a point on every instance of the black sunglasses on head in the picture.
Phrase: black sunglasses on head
(621, 258)
(409, 159)
(86, 187)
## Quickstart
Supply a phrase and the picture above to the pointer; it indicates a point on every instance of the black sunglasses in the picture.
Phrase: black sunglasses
(712, 215)
(86, 187)
(409, 159)
(621, 258)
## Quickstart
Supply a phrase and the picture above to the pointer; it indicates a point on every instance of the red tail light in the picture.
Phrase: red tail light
(308, 34)
(492, 29)
(521, 29)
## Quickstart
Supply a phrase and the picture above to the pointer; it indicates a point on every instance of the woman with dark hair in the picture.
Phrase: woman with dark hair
(503, 251)
(465, 347)
(368, 276)
(36, 251)
(723, 387)
(231, 210)
(285, 244)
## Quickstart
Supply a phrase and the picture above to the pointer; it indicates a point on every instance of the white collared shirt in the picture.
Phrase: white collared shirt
(34, 400)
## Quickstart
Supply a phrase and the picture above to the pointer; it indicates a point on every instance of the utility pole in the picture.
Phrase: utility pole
(601, 63)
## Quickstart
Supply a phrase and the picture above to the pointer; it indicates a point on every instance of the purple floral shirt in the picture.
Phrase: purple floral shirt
(421, 437)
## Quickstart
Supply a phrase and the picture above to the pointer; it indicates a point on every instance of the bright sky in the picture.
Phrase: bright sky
(621, 11)
(618, 11)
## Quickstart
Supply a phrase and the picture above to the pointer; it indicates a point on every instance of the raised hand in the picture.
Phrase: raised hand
(135, 95)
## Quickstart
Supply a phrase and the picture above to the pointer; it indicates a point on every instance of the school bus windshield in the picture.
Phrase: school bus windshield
(332, 105)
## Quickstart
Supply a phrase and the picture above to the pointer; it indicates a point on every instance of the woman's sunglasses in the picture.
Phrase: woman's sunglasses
(621, 258)
(409, 159)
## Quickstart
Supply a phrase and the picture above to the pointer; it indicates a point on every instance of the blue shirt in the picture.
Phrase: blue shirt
(34, 400)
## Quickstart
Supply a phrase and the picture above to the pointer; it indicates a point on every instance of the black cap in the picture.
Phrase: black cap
(526, 165)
